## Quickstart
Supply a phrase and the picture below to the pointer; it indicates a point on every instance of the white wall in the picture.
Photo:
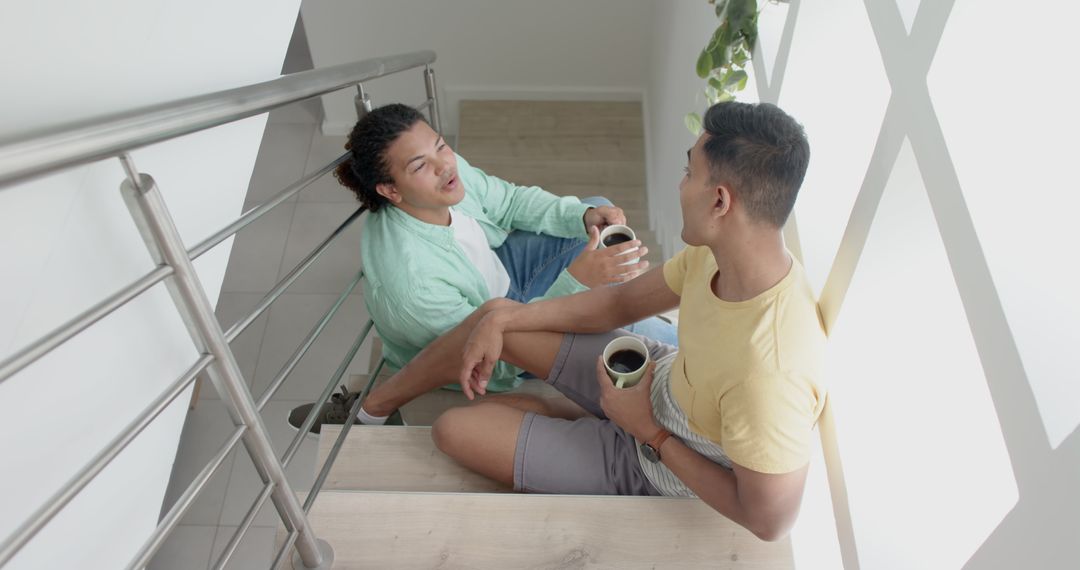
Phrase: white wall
(68, 241)
(487, 49)
(935, 220)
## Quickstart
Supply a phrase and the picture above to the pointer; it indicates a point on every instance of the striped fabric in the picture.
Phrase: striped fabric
(670, 416)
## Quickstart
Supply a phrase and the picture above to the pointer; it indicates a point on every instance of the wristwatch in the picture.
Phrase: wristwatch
(651, 449)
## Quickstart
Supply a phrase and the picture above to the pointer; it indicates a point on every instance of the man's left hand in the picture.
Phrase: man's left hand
(603, 216)
(630, 408)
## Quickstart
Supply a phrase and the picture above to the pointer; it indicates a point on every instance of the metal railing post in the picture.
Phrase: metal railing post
(362, 102)
(433, 95)
(166, 247)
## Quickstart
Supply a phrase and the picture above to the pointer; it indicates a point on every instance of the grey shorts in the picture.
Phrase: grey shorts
(588, 456)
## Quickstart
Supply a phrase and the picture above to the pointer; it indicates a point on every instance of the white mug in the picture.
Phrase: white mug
(626, 379)
(620, 229)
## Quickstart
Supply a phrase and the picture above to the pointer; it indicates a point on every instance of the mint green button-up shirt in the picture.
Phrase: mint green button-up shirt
(418, 283)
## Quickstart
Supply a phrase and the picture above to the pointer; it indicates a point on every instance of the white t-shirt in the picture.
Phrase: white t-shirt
(470, 236)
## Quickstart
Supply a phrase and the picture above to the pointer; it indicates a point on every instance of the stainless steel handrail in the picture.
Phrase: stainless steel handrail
(315, 488)
(264, 303)
(172, 518)
(81, 322)
(301, 350)
(245, 524)
(302, 431)
(257, 212)
(77, 483)
(324, 472)
(36, 153)
(45, 151)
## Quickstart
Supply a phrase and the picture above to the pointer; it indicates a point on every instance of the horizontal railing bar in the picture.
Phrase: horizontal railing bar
(312, 336)
(328, 464)
(268, 489)
(36, 153)
(69, 490)
(64, 332)
(255, 213)
(332, 456)
(239, 327)
(301, 433)
(172, 518)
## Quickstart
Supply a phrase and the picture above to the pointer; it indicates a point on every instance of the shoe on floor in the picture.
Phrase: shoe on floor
(334, 412)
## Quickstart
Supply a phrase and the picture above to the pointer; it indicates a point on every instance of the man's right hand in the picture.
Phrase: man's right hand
(595, 267)
(479, 357)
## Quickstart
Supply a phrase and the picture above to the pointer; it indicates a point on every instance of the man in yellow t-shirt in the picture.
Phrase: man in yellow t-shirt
(728, 416)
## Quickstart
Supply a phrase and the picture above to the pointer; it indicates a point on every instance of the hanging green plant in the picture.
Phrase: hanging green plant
(722, 64)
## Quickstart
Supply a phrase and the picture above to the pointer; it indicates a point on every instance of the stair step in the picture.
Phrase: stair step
(546, 173)
(507, 108)
(570, 125)
(632, 197)
(571, 148)
(396, 458)
(455, 530)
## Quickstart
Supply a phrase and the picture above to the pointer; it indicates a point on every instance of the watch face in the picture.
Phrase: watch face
(650, 453)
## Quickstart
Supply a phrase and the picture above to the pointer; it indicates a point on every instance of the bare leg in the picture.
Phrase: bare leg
(557, 407)
(481, 437)
(440, 363)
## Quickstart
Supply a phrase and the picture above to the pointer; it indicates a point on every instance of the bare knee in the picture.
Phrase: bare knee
(445, 432)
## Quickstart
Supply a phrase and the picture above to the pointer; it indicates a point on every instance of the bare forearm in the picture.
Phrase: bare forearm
(767, 509)
(593, 311)
(597, 310)
(711, 482)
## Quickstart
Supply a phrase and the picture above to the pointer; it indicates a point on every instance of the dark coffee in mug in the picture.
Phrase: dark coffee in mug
(615, 239)
(626, 361)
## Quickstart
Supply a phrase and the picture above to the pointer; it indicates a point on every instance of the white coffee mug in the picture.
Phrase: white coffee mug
(626, 379)
(625, 230)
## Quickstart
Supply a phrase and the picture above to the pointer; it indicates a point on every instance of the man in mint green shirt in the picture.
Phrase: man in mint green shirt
(443, 237)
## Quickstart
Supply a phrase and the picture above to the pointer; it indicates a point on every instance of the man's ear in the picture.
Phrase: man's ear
(389, 191)
(722, 200)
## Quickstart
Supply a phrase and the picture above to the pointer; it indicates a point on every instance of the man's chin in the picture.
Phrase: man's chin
(454, 197)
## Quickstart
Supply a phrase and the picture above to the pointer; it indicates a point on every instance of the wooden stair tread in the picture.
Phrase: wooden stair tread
(452, 530)
(546, 173)
(569, 148)
(396, 458)
(505, 108)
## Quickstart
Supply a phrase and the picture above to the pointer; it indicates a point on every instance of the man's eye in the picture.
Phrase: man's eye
(418, 168)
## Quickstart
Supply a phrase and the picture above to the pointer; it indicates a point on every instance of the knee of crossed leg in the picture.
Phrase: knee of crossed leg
(446, 431)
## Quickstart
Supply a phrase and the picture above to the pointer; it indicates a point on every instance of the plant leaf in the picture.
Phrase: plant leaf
(720, 6)
(738, 11)
(736, 78)
(704, 64)
(693, 123)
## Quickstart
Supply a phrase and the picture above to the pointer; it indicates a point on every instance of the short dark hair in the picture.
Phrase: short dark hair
(368, 143)
(762, 151)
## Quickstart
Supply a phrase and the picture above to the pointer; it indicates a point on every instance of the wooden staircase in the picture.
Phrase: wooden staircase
(569, 148)
(392, 500)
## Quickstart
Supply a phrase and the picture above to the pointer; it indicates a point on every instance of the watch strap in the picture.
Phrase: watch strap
(658, 440)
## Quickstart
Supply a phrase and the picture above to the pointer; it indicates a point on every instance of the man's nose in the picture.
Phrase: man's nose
(440, 165)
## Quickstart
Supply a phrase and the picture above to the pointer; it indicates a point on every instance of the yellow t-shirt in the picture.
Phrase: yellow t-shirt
(748, 374)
